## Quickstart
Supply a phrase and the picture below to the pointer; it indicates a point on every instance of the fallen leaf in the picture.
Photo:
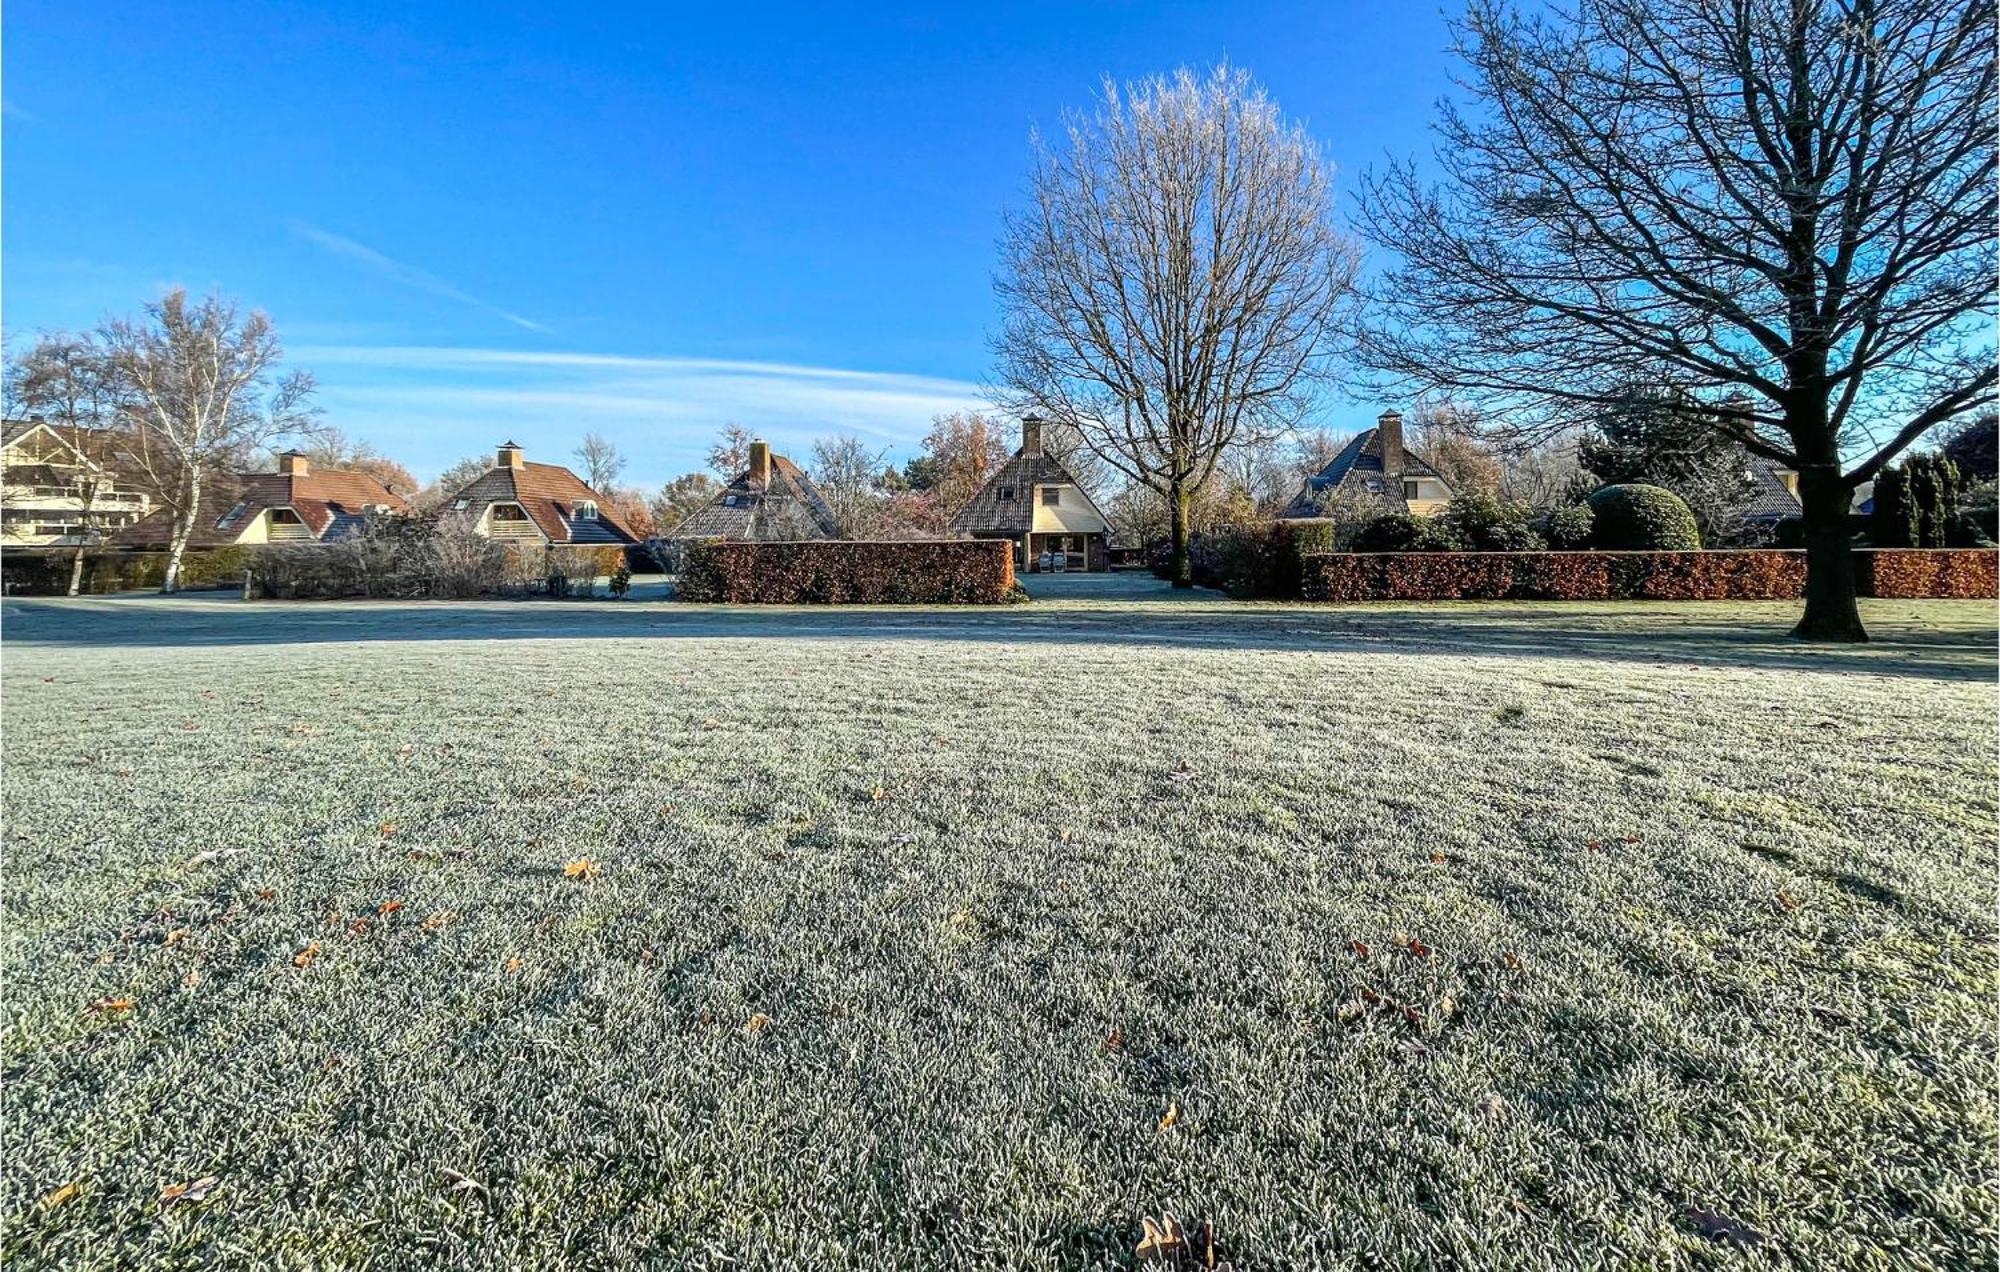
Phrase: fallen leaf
(1787, 900)
(267, 894)
(106, 1006)
(513, 964)
(194, 1191)
(1595, 845)
(1417, 949)
(388, 907)
(757, 1023)
(1173, 1115)
(176, 936)
(1448, 1006)
(1357, 948)
(1723, 1228)
(192, 979)
(1437, 858)
(1184, 772)
(305, 956)
(61, 1196)
(388, 829)
(1412, 1015)
(1348, 1011)
(711, 723)
(1161, 1241)
(1115, 1040)
(878, 795)
(1631, 839)
(360, 925)
(581, 868)
(1494, 1107)
(1401, 940)
(1512, 960)
(438, 920)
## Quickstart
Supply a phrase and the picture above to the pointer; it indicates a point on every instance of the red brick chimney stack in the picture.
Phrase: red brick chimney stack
(760, 462)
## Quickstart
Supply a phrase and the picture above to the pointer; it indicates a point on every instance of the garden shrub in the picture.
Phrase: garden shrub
(1639, 518)
(1614, 576)
(838, 572)
(1916, 504)
(1481, 522)
(1406, 532)
(1262, 559)
(1569, 529)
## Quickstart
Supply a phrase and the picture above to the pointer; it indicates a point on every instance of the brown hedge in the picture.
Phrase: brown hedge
(1929, 573)
(1617, 576)
(906, 572)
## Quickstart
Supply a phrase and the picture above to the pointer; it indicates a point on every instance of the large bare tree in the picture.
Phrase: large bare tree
(601, 460)
(205, 393)
(1784, 207)
(1174, 285)
(67, 379)
(848, 476)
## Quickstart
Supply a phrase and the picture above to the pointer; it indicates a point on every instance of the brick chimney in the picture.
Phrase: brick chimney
(293, 464)
(760, 462)
(1031, 436)
(1389, 436)
(508, 456)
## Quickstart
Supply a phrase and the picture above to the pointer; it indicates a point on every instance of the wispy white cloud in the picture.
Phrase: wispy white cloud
(14, 110)
(431, 405)
(408, 275)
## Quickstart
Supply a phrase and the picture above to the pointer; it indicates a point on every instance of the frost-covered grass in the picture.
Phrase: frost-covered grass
(910, 928)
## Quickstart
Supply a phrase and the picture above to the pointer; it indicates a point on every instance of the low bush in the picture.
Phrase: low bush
(46, 571)
(1405, 532)
(1487, 523)
(405, 557)
(1639, 518)
(840, 572)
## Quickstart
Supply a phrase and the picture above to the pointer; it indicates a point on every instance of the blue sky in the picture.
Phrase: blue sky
(476, 221)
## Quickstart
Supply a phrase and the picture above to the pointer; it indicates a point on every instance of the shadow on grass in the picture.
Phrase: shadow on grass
(1946, 641)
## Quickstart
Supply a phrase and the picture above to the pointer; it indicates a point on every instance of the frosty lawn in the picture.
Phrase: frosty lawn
(910, 929)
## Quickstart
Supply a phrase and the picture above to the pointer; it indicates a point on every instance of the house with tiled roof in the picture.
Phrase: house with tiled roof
(1374, 470)
(298, 503)
(1774, 491)
(1035, 502)
(64, 485)
(771, 501)
(518, 501)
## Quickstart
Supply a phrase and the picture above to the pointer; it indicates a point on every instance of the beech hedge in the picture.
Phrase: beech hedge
(845, 572)
(1751, 575)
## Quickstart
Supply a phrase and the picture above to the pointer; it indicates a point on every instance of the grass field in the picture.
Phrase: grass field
(935, 938)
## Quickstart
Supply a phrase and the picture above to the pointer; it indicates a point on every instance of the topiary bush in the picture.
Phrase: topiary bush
(1263, 559)
(1638, 518)
(1569, 529)
(1487, 523)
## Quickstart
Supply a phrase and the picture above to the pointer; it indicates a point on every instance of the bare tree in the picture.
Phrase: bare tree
(329, 447)
(681, 498)
(67, 379)
(601, 462)
(731, 453)
(1448, 435)
(848, 476)
(449, 482)
(203, 398)
(1174, 287)
(1787, 200)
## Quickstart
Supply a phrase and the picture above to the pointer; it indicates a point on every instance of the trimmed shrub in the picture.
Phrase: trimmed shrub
(1750, 575)
(841, 572)
(1570, 529)
(1485, 523)
(1638, 518)
(1924, 573)
(1263, 559)
(1405, 532)
(45, 571)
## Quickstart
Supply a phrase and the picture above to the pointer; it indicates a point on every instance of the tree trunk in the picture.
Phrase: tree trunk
(183, 528)
(76, 572)
(1177, 496)
(1831, 612)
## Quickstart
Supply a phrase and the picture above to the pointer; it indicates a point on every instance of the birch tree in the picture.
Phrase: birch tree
(1785, 208)
(204, 388)
(1174, 285)
(601, 462)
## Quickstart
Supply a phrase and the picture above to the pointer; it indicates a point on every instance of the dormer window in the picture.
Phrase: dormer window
(460, 505)
(1051, 496)
(1007, 494)
(1411, 490)
(585, 510)
(228, 518)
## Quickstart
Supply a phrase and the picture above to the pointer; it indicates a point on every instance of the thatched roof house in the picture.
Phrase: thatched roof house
(771, 501)
(545, 503)
(1375, 468)
(1034, 501)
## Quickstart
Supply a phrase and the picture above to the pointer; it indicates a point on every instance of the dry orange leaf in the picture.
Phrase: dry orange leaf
(388, 907)
(514, 964)
(758, 1023)
(1437, 858)
(105, 1006)
(1115, 1040)
(193, 1191)
(1512, 960)
(1162, 1241)
(192, 980)
(581, 868)
(176, 936)
(1417, 949)
(305, 956)
(1173, 1115)
(1788, 901)
(61, 1196)
(1358, 948)
(388, 828)
(878, 795)
(360, 925)
(267, 894)
(438, 920)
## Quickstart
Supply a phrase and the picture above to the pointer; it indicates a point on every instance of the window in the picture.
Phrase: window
(460, 505)
(284, 517)
(1374, 485)
(1411, 490)
(1007, 493)
(227, 518)
(1051, 496)
(729, 501)
(586, 510)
